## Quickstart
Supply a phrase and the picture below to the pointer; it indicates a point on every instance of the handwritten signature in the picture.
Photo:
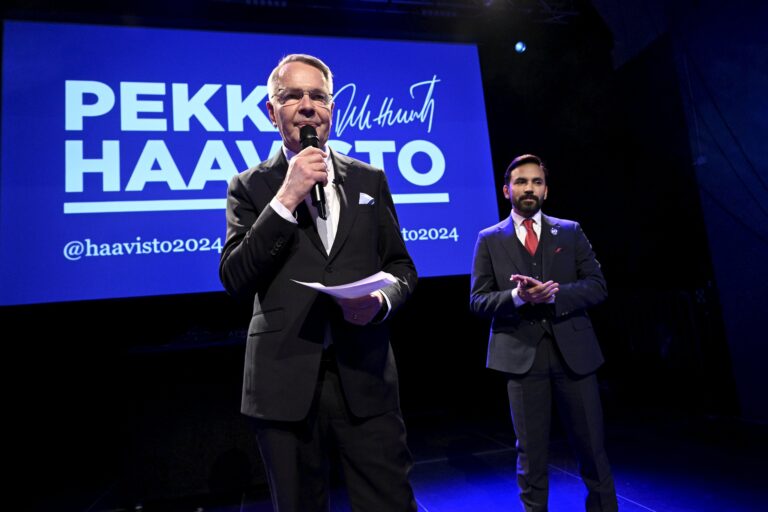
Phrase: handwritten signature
(350, 115)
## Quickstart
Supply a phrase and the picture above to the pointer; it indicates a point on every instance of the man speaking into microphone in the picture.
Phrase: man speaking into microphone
(319, 372)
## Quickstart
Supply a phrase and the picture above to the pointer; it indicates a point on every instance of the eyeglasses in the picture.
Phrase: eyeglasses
(287, 97)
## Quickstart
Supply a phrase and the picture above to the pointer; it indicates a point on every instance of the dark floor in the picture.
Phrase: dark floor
(661, 462)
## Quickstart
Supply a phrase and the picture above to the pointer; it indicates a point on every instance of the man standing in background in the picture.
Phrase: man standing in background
(319, 373)
(535, 276)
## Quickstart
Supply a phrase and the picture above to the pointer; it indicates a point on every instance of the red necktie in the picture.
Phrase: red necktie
(531, 241)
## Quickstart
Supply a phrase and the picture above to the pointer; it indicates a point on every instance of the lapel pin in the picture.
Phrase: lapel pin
(553, 230)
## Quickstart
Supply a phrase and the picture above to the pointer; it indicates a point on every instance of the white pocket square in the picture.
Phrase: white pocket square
(365, 199)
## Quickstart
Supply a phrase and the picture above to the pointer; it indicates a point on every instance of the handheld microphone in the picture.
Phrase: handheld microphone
(308, 136)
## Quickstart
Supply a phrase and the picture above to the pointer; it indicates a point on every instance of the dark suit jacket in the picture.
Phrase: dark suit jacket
(567, 259)
(264, 253)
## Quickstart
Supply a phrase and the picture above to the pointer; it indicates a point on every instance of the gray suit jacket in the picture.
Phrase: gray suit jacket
(262, 256)
(567, 259)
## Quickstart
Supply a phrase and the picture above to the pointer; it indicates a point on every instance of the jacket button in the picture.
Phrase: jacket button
(329, 269)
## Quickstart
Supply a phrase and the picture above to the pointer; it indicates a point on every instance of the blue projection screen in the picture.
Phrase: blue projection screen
(118, 144)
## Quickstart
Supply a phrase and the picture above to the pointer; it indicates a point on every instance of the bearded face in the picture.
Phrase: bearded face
(527, 189)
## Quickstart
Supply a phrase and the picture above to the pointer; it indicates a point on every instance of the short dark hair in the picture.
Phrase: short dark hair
(521, 160)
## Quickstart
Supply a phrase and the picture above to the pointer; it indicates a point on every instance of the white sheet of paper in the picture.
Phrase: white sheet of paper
(357, 289)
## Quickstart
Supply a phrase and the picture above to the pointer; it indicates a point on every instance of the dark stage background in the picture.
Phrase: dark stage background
(652, 134)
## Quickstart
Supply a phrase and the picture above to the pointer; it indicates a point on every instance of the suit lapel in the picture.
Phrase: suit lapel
(348, 192)
(276, 167)
(548, 243)
(509, 241)
(308, 226)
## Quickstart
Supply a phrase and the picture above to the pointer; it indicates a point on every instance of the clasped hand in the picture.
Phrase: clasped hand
(534, 291)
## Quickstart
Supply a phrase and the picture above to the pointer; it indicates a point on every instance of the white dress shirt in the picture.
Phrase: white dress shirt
(326, 229)
(520, 231)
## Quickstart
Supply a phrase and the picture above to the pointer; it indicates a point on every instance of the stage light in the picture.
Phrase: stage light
(520, 47)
